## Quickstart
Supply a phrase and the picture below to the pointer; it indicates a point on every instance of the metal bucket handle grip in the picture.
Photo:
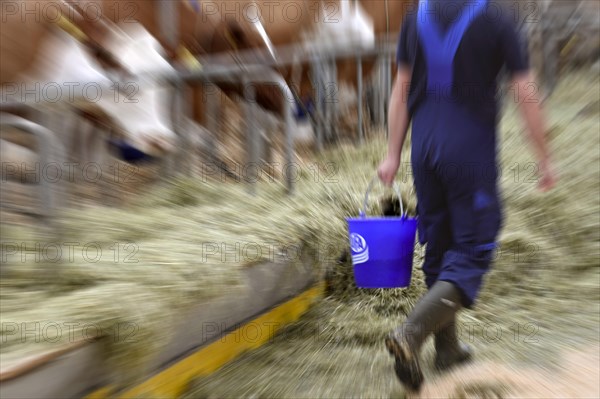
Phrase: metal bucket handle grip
(396, 189)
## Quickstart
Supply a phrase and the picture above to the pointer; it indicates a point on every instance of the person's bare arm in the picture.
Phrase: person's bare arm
(529, 104)
(398, 121)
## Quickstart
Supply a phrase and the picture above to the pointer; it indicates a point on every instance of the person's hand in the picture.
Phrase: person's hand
(547, 176)
(387, 170)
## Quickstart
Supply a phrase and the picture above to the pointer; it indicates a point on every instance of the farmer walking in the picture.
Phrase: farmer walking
(450, 54)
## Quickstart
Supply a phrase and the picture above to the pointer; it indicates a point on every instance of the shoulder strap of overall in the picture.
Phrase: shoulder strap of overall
(440, 48)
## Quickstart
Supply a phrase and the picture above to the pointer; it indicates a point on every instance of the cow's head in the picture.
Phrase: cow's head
(141, 112)
(135, 106)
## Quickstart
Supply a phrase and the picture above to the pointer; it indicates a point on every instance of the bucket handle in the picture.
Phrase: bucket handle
(396, 187)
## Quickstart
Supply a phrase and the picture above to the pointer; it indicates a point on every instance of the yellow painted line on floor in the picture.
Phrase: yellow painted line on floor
(173, 381)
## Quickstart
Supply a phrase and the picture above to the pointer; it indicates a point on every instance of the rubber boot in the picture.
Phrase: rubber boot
(449, 351)
(434, 311)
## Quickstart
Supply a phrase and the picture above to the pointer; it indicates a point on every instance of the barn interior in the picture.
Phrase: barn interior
(176, 182)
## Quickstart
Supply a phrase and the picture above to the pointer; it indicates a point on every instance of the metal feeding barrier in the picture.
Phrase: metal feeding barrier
(49, 149)
(253, 67)
(216, 71)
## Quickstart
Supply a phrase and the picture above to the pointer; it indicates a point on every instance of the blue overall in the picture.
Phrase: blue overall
(454, 167)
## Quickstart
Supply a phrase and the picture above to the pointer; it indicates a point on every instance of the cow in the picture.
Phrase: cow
(59, 59)
(134, 119)
(317, 26)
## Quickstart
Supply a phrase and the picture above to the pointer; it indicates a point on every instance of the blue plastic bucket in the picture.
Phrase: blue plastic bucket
(382, 248)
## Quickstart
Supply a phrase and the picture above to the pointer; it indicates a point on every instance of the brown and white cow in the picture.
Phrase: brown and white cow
(318, 26)
(58, 61)
(136, 112)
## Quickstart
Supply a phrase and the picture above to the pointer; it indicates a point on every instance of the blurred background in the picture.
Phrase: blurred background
(175, 181)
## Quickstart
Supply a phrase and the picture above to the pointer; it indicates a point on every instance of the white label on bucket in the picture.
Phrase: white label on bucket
(360, 249)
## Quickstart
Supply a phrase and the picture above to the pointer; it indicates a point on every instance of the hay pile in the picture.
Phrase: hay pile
(163, 266)
(542, 294)
(145, 265)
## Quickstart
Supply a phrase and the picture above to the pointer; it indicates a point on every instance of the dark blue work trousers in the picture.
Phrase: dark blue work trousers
(459, 210)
